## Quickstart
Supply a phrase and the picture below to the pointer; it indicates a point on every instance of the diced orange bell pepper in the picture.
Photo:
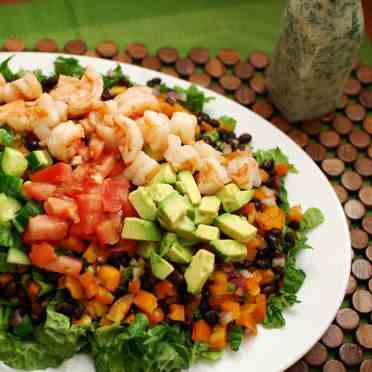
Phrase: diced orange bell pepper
(215, 302)
(84, 320)
(89, 283)
(156, 316)
(5, 279)
(96, 309)
(252, 285)
(264, 175)
(177, 312)
(146, 301)
(246, 318)
(271, 218)
(33, 290)
(165, 107)
(104, 296)
(164, 289)
(109, 277)
(120, 308)
(295, 214)
(259, 194)
(268, 276)
(75, 288)
(90, 254)
(217, 339)
(201, 331)
(220, 284)
(105, 322)
(281, 169)
(134, 287)
(130, 319)
(231, 307)
(259, 312)
(74, 244)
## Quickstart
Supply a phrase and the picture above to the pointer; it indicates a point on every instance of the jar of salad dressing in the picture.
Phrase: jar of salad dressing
(314, 56)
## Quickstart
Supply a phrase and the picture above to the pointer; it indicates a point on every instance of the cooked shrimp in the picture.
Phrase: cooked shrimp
(27, 88)
(16, 115)
(80, 94)
(270, 199)
(212, 176)
(46, 114)
(156, 130)
(64, 140)
(206, 151)
(2, 85)
(142, 170)
(181, 157)
(184, 125)
(136, 100)
(243, 169)
(131, 141)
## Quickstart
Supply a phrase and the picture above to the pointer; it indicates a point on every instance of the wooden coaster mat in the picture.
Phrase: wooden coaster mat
(340, 143)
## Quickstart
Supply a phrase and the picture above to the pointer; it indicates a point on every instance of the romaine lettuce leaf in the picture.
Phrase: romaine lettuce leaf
(276, 155)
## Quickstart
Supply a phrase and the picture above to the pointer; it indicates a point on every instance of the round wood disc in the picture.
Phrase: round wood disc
(362, 301)
(151, 62)
(355, 112)
(259, 60)
(200, 78)
(366, 365)
(359, 238)
(107, 49)
(360, 138)
(75, 47)
(312, 127)
(364, 74)
(362, 269)
(365, 195)
(230, 82)
(351, 180)
(342, 125)
(354, 209)
(281, 123)
(316, 151)
(258, 84)
(341, 193)
(47, 45)
(351, 354)
(167, 55)
(228, 56)
(185, 66)
(334, 365)
(329, 138)
(351, 285)
(300, 366)
(352, 87)
(123, 57)
(367, 124)
(199, 56)
(333, 166)
(215, 68)
(333, 337)
(169, 71)
(299, 137)
(364, 167)
(245, 95)
(367, 224)
(264, 109)
(347, 319)
(243, 70)
(347, 152)
(317, 355)
(343, 102)
(137, 51)
(14, 45)
(365, 98)
(364, 335)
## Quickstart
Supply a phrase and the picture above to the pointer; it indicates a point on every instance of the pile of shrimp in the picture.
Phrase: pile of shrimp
(132, 122)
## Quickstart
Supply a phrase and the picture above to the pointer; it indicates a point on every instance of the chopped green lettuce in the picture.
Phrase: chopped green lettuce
(11, 185)
(68, 66)
(235, 337)
(276, 155)
(113, 78)
(313, 217)
(7, 73)
(195, 98)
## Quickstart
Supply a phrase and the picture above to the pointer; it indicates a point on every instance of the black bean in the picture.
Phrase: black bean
(263, 263)
(212, 317)
(125, 82)
(273, 238)
(245, 138)
(106, 95)
(49, 83)
(78, 311)
(234, 144)
(121, 290)
(289, 239)
(170, 100)
(214, 122)
(274, 183)
(202, 116)
(31, 141)
(52, 277)
(65, 308)
(269, 289)
(16, 318)
(149, 283)
(119, 259)
(227, 136)
(295, 225)
(153, 82)
(258, 204)
(10, 290)
(268, 165)
(176, 278)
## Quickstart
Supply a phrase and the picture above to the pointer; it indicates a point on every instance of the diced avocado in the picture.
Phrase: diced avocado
(39, 159)
(13, 162)
(8, 208)
(165, 175)
(236, 227)
(188, 242)
(190, 208)
(207, 233)
(16, 256)
(227, 123)
(146, 248)
(189, 185)
(6, 138)
(172, 208)
(159, 191)
(230, 250)
(179, 254)
(143, 204)
(166, 243)
(207, 210)
(199, 270)
(160, 267)
(244, 197)
(232, 198)
(185, 228)
(137, 229)
(180, 187)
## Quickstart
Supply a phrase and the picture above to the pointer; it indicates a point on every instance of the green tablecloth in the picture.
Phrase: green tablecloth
(241, 24)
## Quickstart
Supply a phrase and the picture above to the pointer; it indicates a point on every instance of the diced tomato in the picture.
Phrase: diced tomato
(108, 232)
(115, 194)
(64, 265)
(45, 228)
(40, 191)
(106, 165)
(118, 169)
(66, 209)
(128, 209)
(125, 245)
(90, 212)
(42, 254)
(55, 174)
(74, 244)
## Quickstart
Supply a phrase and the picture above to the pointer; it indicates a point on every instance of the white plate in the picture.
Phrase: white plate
(327, 266)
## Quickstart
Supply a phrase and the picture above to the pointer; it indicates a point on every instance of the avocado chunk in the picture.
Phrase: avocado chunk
(189, 185)
(185, 228)
(236, 227)
(207, 210)
(172, 208)
(165, 175)
(207, 233)
(188, 242)
(8, 208)
(146, 248)
(136, 229)
(190, 211)
(16, 256)
(160, 267)
(159, 191)
(230, 250)
(232, 198)
(199, 270)
(171, 248)
(143, 204)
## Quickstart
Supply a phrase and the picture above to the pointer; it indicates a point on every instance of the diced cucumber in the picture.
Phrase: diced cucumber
(13, 162)
(6, 138)
(31, 208)
(39, 159)
(16, 256)
(8, 208)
